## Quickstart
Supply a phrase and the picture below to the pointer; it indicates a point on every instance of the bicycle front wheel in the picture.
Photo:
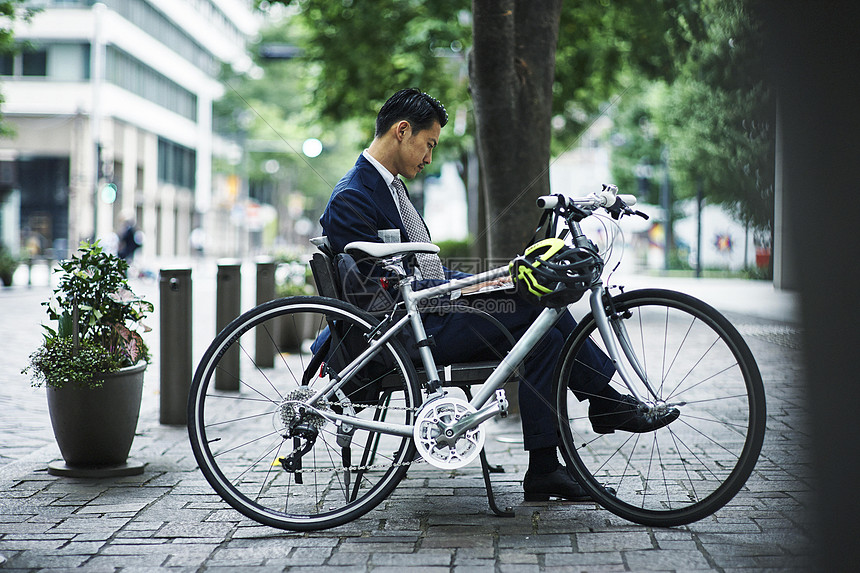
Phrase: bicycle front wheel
(275, 460)
(695, 361)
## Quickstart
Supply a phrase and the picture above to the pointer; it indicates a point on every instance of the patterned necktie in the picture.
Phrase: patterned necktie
(430, 265)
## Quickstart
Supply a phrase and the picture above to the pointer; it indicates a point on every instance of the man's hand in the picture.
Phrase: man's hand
(488, 285)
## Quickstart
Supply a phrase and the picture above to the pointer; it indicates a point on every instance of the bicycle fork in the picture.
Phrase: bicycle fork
(612, 328)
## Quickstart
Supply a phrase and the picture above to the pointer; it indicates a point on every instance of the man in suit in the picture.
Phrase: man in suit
(371, 202)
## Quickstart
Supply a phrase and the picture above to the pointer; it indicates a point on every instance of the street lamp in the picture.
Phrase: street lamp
(96, 78)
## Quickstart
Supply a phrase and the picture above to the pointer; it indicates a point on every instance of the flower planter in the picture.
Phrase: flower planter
(94, 428)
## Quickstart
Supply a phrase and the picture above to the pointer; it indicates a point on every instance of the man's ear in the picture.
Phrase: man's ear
(401, 129)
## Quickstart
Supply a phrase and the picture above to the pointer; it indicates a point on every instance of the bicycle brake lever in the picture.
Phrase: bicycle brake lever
(618, 209)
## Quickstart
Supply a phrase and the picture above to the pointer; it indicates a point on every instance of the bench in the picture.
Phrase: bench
(460, 375)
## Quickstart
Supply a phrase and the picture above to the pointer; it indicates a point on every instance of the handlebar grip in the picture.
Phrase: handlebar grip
(629, 200)
(607, 198)
(547, 201)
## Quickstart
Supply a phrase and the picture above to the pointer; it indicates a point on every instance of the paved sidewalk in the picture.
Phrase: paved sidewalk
(169, 519)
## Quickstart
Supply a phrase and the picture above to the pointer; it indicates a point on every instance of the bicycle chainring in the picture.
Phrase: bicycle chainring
(432, 421)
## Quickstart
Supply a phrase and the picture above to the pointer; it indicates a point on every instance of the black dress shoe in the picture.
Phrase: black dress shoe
(628, 416)
(559, 483)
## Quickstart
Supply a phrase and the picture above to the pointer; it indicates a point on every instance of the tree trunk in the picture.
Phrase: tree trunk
(512, 68)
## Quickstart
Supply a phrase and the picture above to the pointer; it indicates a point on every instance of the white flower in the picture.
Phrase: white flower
(122, 296)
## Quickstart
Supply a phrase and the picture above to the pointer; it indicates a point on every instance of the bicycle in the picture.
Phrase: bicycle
(324, 433)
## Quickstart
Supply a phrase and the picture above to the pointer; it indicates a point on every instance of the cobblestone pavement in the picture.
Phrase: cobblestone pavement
(169, 518)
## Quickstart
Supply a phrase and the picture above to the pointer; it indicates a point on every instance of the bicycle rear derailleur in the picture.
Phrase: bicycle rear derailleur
(294, 420)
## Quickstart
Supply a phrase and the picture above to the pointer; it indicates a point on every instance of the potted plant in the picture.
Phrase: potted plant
(8, 264)
(92, 364)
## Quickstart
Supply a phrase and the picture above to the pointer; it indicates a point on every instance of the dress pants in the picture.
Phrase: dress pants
(468, 337)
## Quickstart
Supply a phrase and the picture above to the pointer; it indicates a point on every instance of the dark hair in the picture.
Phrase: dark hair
(416, 107)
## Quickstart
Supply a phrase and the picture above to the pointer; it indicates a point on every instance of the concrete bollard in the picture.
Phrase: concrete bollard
(228, 305)
(174, 286)
(264, 351)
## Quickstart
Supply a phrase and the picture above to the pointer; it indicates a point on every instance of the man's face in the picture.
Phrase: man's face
(416, 149)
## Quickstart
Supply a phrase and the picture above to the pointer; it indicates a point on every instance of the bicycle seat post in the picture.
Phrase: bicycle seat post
(423, 342)
(396, 265)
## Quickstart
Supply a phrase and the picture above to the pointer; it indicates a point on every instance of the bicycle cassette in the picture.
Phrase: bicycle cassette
(291, 412)
(433, 434)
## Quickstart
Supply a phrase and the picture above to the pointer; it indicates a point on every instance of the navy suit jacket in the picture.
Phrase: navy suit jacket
(360, 206)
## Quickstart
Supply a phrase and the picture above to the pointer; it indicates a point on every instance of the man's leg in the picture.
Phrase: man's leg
(465, 336)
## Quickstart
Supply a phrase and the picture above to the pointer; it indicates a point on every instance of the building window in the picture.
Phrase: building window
(177, 164)
(62, 61)
(7, 65)
(138, 78)
(34, 63)
(157, 25)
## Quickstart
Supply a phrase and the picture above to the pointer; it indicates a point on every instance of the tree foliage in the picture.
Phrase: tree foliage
(714, 122)
(359, 53)
(270, 112)
(606, 47)
(680, 71)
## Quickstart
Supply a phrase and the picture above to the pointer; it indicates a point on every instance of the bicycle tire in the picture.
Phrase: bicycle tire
(692, 467)
(241, 436)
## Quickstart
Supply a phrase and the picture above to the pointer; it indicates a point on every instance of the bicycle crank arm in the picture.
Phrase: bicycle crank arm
(450, 434)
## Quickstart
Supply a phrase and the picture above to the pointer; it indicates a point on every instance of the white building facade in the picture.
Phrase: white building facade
(111, 102)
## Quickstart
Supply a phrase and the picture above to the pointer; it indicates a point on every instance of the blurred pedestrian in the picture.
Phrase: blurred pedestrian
(130, 239)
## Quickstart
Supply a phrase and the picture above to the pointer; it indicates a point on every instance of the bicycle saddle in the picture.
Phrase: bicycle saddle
(382, 250)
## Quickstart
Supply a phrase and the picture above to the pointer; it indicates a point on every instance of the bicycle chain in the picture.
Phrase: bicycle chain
(349, 404)
(360, 468)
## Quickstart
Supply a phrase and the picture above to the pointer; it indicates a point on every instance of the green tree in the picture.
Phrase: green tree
(605, 48)
(720, 116)
(362, 52)
(715, 120)
(533, 62)
(268, 111)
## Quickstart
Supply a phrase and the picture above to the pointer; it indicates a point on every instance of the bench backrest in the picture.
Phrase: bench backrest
(324, 276)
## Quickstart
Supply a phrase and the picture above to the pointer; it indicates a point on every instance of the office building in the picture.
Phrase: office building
(111, 104)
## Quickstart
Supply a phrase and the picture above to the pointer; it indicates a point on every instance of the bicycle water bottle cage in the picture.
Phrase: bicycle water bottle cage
(553, 274)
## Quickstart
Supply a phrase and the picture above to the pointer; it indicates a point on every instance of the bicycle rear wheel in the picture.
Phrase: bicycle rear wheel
(246, 420)
(697, 362)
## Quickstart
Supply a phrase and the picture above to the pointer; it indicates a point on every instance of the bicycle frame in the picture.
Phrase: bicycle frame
(412, 300)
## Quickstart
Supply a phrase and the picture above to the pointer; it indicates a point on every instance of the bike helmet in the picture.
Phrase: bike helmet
(554, 274)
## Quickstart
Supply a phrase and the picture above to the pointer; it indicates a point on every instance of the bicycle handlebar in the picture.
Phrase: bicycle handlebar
(608, 198)
(602, 199)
